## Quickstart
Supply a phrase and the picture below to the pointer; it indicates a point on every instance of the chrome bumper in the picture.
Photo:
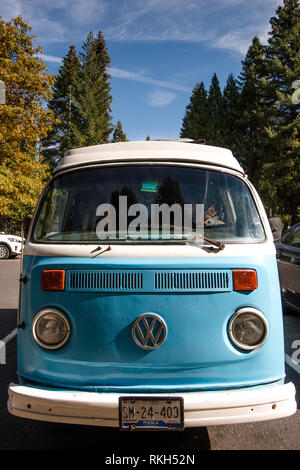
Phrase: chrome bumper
(200, 408)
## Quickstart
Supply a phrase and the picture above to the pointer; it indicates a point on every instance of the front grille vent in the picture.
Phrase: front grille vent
(212, 280)
(105, 281)
(192, 281)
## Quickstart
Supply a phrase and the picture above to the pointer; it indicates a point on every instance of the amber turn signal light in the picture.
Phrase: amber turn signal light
(53, 279)
(244, 279)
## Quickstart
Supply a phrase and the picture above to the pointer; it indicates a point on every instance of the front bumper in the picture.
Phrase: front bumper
(200, 408)
(16, 248)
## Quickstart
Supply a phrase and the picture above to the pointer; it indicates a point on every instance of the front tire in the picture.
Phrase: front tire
(4, 252)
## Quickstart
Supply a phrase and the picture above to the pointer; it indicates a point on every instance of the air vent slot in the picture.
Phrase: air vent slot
(200, 281)
(101, 281)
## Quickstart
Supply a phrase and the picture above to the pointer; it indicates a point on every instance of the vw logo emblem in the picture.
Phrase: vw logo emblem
(149, 331)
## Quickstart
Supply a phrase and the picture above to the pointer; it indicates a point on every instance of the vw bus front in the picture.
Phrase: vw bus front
(151, 297)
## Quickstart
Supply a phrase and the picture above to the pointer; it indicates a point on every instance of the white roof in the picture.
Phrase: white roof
(150, 151)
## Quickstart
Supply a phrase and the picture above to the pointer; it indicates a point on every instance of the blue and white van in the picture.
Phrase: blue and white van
(141, 322)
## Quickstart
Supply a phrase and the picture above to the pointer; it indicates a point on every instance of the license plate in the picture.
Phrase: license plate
(151, 413)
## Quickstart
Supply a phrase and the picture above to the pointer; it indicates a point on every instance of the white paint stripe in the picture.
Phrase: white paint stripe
(2, 353)
(3, 342)
(292, 364)
(10, 336)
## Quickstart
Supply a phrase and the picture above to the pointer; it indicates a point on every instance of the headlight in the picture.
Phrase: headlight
(51, 328)
(248, 329)
(14, 240)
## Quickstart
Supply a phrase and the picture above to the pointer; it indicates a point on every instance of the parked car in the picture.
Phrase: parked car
(10, 246)
(288, 257)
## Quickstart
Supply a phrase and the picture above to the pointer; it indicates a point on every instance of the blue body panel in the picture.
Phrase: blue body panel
(197, 353)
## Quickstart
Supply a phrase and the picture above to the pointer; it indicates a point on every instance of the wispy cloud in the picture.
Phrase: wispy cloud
(240, 40)
(138, 77)
(10, 9)
(224, 24)
(160, 97)
(50, 58)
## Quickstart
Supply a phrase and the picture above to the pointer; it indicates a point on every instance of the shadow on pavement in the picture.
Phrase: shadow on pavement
(24, 434)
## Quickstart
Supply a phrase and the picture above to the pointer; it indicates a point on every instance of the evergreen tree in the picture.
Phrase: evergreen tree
(94, 100)
(194, 125)
(64, 104)
(254, 113)
(258, 116)
(81, 100)
(216, 113)
(119, 135)
(283, 61)
(231, 126)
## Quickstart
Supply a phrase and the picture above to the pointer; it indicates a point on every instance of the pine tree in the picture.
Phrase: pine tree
(231, 124)
(216, 113)
(283, 61)
(94, 100)
(64, 104)
(254, 113)
(194, 125)
(119, 135)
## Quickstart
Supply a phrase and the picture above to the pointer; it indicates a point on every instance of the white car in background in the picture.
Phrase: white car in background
(10, 246)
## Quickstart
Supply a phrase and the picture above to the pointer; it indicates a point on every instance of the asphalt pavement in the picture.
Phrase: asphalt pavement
(112, 444)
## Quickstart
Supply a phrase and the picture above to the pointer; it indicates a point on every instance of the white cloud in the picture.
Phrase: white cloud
(86, 12)
(224, 24)
(138, 77)
(233, 41)
(58, 20)
(10, 9)
(160, 97)
(240, 40)
(50, 58)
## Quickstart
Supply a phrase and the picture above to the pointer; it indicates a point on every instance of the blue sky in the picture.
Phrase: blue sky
(159, 49)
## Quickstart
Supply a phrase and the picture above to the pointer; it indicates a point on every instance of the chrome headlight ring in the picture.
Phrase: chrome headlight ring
(51, 328)
(257, 326)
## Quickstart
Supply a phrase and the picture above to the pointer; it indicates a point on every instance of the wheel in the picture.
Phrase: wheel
(4, 252)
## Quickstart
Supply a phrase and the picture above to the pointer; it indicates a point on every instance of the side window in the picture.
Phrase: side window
(295, 238)
(50, 219)
(286, 238)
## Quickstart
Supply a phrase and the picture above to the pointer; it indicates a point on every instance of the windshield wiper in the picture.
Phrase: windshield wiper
(140, 239)
(220, 245)
(99, 248)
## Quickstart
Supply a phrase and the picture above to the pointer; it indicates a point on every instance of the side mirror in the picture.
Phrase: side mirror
(276, 227)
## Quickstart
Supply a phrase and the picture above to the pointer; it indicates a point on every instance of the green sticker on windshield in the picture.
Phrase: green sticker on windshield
(149, 186)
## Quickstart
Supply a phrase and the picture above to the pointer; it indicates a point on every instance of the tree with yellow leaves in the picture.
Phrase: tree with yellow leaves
(24, 121)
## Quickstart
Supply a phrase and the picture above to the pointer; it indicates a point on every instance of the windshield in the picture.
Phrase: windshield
(145, 203)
